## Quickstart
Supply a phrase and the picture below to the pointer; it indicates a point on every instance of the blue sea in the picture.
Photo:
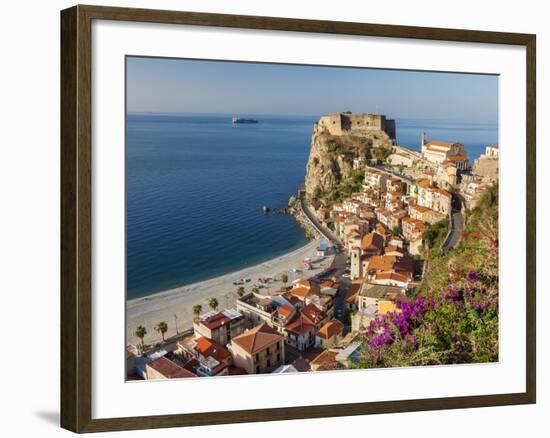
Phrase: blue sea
(196, 185)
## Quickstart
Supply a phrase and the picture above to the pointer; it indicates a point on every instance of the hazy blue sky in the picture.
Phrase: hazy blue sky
(175, 85)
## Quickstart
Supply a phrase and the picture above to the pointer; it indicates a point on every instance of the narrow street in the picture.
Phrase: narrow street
(457, 224)
(339, 264)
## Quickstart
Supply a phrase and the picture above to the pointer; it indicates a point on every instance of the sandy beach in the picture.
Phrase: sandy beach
(162, 306)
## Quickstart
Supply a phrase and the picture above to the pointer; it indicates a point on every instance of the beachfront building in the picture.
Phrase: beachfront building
(220, 327)
(257, 308)
(259, 350)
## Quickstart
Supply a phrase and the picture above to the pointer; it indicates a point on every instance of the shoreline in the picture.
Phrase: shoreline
(162, 306)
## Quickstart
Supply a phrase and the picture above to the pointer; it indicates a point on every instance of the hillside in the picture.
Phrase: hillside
(331, 158)
(454, 316)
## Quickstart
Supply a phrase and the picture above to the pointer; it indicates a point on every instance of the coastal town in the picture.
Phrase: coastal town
(374, 211)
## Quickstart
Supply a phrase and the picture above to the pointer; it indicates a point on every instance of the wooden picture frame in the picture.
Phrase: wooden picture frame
(76, 217)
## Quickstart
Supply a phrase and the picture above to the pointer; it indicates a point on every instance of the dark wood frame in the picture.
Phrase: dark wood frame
(76, 238)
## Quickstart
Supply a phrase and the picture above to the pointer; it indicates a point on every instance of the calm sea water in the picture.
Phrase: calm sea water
(196, 185)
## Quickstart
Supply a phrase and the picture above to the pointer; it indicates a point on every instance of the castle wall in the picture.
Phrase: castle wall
(357, 124)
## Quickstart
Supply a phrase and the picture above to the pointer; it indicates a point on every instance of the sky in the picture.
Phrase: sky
(196, 86)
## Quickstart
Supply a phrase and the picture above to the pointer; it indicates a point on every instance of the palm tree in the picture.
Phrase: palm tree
(284, 279)
(197, 309)
(161, 328)
(240, 291)
(140, 333)
(213, 303)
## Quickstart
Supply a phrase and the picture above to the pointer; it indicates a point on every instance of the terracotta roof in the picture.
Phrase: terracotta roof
(331, 329)
(301, 326)
(285, 310)
(169, 369)
(420, 208)
(457, 158)
(258, 338)
(313, 314)
(326, 361)
(209, 348)
(382, 263)
(351, 294)
(300, 292)
(441, 191)
(302, 282)
(372, 240)
(396, 276)
(393, 249)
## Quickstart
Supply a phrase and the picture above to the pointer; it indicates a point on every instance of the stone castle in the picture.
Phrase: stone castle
(364, 125)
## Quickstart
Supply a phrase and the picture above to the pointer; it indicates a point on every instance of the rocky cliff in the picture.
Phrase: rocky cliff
(331, 158)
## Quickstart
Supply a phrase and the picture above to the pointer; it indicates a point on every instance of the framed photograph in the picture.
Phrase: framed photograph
(312, 218)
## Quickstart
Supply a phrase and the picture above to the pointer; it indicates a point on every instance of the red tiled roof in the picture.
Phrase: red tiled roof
(313, 314)
(331, 329)
(300, 292)
(209, 348)
(169, 369)
(326, 361)
(373, 240)
(396, 276)
(285, 310)
(300, 326)
(258, 338)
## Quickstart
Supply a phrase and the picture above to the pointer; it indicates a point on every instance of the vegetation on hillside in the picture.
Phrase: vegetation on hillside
(381, 153)
(453, 318)
(344, 189)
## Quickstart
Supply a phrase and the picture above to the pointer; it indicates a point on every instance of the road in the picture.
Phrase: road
(339, 263)
(457, 224)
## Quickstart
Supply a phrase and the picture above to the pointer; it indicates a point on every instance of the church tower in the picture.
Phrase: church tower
(423, 142)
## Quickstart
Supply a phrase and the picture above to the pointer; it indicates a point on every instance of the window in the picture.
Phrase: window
(278, 357)
(278, 346)
(268, 352)
(268, 363)
(257, 357)
(258, 369)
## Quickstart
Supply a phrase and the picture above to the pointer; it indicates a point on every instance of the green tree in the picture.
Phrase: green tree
(240, 291)
(161, 328)
(395, 231)
(382, 153)
(197, 309)
(284, 279)
(255, 290)
(213, 303)
(140, 333)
